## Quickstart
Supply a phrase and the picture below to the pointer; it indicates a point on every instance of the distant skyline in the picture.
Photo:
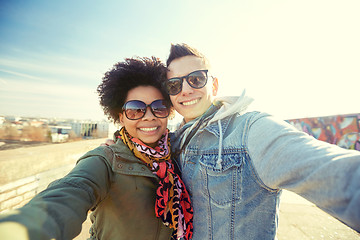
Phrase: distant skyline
(295, 58)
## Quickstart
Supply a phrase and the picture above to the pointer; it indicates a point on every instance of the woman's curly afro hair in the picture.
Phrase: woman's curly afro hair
(126, 75)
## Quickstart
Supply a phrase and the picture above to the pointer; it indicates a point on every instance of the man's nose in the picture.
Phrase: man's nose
(186, 88)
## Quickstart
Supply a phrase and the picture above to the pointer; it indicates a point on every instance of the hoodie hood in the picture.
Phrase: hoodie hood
(231, 105)
(227, 106)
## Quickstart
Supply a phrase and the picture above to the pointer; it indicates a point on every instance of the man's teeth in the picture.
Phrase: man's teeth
(148, 129)
(190, 102)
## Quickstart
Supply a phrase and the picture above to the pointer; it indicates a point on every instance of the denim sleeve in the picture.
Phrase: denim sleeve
(325, 174)
(59, 211)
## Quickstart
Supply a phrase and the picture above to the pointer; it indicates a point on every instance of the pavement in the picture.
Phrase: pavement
(299, 219)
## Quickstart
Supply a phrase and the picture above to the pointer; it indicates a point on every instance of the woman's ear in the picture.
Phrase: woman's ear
(121, 118)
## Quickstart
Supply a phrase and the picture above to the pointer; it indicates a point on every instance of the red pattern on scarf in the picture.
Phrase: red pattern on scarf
(173, 204)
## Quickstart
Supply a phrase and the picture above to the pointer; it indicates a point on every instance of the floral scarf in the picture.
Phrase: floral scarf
(172, 205)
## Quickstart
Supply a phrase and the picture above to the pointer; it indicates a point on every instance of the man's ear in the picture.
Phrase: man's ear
(215, 86)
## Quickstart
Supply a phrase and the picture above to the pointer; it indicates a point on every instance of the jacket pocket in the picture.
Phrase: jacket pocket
(223, 177)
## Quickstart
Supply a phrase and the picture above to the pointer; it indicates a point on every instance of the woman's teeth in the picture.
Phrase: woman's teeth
(148, 129)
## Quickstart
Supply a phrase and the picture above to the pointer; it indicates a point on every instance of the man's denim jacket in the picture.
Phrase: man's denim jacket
(236, 164)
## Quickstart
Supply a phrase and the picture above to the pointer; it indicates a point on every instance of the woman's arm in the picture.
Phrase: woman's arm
(59, 211)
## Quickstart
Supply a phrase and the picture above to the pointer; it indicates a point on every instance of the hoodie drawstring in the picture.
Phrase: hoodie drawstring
(219, 160)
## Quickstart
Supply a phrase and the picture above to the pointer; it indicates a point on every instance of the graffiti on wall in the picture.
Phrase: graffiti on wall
(342, 130)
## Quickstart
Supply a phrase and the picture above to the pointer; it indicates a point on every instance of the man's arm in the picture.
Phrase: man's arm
(325, 174)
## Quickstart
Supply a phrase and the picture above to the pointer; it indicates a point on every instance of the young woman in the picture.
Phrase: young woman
(130, 186)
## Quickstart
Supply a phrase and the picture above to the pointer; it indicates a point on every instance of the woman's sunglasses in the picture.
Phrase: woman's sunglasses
(197, 79)
(136, 109)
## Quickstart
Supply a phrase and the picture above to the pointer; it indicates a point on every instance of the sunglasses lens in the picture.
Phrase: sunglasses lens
(197, 79)
(173, 86)
(134, 109)
(160, 109)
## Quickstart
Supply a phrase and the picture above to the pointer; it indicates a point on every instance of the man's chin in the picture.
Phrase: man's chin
(189, 117)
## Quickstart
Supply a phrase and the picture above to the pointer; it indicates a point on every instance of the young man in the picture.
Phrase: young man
(235, 163)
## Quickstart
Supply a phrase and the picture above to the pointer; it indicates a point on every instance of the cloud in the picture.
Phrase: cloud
(24, 98)
(22, 75)
(42, 88)
(61, 69)
(50, 86)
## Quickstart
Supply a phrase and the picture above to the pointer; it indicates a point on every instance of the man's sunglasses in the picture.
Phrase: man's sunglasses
(197, 79)
(136, 109)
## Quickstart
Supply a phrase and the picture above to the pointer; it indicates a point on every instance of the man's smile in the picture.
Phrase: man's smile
(191, 102)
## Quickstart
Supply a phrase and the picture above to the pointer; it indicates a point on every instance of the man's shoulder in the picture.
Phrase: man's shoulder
(240, 122)
(248, 116)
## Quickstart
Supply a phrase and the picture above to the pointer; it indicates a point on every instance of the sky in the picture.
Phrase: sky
(295, 58)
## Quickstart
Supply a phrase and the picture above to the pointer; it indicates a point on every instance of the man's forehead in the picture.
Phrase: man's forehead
(182, 66)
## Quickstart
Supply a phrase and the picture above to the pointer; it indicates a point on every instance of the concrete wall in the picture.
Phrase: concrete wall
(27, 171)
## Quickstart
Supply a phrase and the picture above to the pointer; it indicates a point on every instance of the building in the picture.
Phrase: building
(90, 128)
(60, 133)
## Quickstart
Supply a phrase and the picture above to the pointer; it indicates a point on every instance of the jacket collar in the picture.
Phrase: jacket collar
(124, 161)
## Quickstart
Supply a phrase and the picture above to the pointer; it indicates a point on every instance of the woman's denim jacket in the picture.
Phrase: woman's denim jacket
(235, 166)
